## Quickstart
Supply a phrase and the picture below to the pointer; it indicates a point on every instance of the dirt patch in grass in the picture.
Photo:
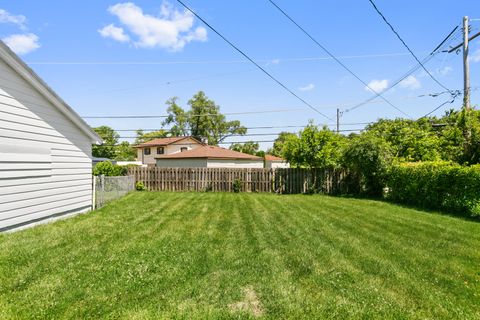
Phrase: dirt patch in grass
(250, 303)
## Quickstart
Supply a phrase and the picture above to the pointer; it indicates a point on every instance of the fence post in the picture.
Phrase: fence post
(94, 188)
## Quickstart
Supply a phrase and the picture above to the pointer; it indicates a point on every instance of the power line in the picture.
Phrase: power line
(435, 94)
(335, 58)
(406, 46)
(252, 128)
(252, 61)
(193, 115)
(299, 59)
(454, 97)
(240, 135)
(170, 82)
(408, 73)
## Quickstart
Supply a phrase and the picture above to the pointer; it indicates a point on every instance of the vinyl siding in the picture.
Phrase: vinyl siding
(182, 163)
(235, 163)
(45, 159)
(169, 149)
(209, 163)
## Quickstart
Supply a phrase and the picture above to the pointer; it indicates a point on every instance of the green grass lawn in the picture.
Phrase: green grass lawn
(221, 255)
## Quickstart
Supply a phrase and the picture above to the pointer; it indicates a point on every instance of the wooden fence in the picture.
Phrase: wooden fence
(286, 181)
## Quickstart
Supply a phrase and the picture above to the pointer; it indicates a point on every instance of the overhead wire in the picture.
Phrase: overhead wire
(261, 111)
(410, 71)
(241, 135)
(253, 61)
(193, 115)
(406, 46)
(272, 61)
(250, 128)
(335, 58)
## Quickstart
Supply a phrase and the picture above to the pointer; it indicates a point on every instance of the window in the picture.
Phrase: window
(160, 150)
(183, 149)
(146, 151)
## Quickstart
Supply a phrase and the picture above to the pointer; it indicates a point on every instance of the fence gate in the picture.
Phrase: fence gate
(106, 189)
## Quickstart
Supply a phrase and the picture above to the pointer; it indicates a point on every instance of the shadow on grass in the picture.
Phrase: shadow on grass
(437, 211)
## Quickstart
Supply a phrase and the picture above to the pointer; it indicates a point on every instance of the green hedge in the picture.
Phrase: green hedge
(106, 168)
(436, 185)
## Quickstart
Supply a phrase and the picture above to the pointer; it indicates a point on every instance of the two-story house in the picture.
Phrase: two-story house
(148, 151)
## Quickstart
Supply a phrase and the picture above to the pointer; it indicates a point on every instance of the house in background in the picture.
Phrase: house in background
(45, 149)
(205, 156)
(148, 151)
(273, 162)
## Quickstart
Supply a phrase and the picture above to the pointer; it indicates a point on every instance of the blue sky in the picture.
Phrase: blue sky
(120, 58)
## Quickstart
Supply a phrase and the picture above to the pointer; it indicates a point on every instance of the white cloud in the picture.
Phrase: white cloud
(113, 32)
(411, 83)
(308, 87)
(171, 30)
(377, 85)
(272, 62)
(6, 17)
(475, 57)
(445, 70)
(22, 43)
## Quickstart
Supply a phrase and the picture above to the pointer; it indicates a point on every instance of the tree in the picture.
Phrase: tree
(110, 139)
(203, 121)
(125, 152)
(314, 148)
(178, 118)
(277, 149)
(248, 147)
(411, 140)
(368, 157)
(144, 137)
(460, 136)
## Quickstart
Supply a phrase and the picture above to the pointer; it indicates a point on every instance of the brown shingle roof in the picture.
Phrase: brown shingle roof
(270, 157)
(210, 152)
(163, 141)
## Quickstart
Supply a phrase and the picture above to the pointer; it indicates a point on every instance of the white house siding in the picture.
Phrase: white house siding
(182, 163)
(169, 149)
(45, 164)
(208, 163)
(276, 164)
(234, 163)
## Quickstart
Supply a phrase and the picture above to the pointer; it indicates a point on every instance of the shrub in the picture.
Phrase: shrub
(436, 185)
(237, 185)
(367, 159)
(106, 168)
(139, 186)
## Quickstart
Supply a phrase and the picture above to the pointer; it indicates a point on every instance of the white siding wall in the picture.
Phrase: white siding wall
(217, 163)
(45, 164)
(172, 148)
(208, 163)
(276, 164)
(182, 163)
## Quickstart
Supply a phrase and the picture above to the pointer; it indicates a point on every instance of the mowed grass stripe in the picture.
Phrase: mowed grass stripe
(202, 255)
(342, 251)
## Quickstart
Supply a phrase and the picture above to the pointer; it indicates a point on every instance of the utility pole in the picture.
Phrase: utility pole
(466, 67)
(338, 120)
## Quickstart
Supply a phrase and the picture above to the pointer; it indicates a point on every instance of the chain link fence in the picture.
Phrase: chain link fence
(107, 189)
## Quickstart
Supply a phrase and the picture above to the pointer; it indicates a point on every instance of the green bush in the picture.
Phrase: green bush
(436, 185)
(106, 168)
(237, 185)
(139, 186)
(367, 159)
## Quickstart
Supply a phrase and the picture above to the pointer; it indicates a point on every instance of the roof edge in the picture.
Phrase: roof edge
(143, 145)
(207, 157)
(14, 62)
